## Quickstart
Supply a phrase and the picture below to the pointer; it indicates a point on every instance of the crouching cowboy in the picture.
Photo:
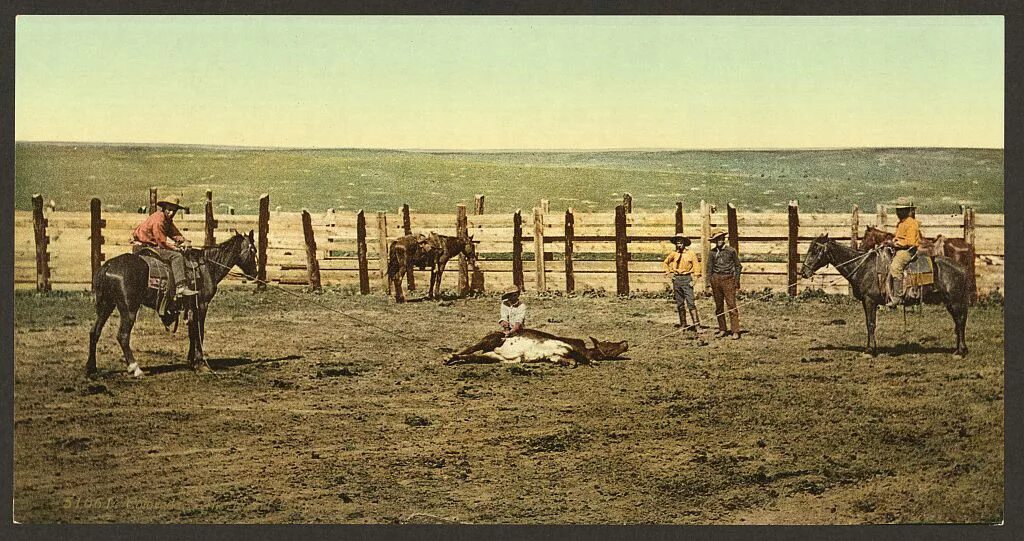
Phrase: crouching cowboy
(159, 234)
(513, 312)
(905, 243)
(684, 269)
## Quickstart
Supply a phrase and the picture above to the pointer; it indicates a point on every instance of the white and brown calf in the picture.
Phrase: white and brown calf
(533, 346)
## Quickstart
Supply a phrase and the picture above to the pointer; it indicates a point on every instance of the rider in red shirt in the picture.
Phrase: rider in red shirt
(159, 234)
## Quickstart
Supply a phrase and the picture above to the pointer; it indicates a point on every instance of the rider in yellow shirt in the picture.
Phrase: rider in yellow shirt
(906, 243)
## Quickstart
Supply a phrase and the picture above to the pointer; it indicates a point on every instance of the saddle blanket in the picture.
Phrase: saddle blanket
(919, 272)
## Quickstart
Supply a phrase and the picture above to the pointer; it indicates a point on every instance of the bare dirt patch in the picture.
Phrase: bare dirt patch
(313, 418)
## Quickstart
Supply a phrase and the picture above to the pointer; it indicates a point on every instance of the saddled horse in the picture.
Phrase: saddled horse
(866, 272)
(426, 251)
(957, 249)
(123, 283)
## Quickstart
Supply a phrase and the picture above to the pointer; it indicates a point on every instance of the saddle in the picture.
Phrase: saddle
(161, 279)
(917, 276)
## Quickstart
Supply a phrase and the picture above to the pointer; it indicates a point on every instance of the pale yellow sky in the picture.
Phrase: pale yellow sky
(512, 82)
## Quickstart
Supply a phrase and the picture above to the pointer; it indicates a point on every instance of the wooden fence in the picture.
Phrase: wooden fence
(541, 250)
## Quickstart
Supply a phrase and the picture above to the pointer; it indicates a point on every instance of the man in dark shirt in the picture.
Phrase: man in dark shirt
(724, 267)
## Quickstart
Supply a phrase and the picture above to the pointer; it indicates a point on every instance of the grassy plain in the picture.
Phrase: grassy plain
(939, 180)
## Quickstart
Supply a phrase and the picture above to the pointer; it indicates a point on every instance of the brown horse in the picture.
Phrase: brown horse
(123, 283)
(957, 249)
(433, 251)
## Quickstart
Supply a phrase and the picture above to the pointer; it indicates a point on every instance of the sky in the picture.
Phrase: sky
(512, 82)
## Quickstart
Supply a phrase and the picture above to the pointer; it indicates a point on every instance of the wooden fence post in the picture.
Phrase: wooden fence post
(538, 247)
(517, 249)
(97, 223)
(854, 236)
(152, 200)
(264, 230)
(364, 270)
(462, 231)
(570, 235)
(231, 210)
(621, 252)
(478, 204)
(407, 228)
(382, 249)
(679, 217)
(211, 224)
(969, 236)
(331, 220)
(794, 255)
(855, 228)
(627, 202)
(705, 242)
(880, 216)
(734, 231)
(39, 223)
(312, 265)
(544, 207)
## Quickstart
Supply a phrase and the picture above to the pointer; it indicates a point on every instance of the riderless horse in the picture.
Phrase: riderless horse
(433, 251)
(123, 282)
(866, 272)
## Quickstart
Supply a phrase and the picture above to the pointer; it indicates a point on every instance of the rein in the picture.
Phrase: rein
(329, 308)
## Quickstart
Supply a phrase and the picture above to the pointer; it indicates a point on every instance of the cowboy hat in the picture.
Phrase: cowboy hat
(173, 201)
(509, 292)
(717, 232)
(904, 203)
(681, 238)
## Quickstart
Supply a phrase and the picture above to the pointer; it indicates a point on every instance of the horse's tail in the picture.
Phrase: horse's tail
(97, 279)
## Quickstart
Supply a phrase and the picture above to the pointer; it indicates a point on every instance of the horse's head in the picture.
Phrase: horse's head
(606, 350)
(873, 237)
(817, 256)
(247, 255)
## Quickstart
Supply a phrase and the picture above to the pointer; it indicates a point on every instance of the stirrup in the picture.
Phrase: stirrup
(185, 292)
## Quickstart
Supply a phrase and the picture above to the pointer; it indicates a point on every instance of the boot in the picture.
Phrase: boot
(895, 284)
(696, 320)
(682, 319)
(184, 291)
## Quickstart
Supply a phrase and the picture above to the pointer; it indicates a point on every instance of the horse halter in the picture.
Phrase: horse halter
(812, 264)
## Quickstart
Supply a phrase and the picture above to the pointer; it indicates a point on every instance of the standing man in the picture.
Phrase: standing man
(160, 234)
(724, 266)
(683, 267)
(513, 312)
(906, 243)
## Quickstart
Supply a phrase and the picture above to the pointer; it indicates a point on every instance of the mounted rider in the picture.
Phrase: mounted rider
(905, 243)
(159, 234)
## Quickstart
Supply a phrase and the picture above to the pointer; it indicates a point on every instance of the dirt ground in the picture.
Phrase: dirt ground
(317, 417)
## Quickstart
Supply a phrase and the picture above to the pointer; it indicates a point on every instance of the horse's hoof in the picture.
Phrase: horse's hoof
(203, 369)
(868, 355)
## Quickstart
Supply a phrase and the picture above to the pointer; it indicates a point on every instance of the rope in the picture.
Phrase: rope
(422, 343)
(862, 258)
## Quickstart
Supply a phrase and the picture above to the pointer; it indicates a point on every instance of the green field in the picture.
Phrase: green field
(939, 180)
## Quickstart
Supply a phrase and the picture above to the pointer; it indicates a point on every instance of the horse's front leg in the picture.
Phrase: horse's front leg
(433, 274)
(870, 312)
(440, 277)
(199, 363)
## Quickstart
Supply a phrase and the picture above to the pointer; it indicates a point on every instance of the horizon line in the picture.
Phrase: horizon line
(494, 150)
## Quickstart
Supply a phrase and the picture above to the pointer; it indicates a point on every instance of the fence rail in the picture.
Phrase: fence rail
(617, 251)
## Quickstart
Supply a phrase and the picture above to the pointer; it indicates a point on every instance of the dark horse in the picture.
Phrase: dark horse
(433, 251)
(123, 283)
(866, 271)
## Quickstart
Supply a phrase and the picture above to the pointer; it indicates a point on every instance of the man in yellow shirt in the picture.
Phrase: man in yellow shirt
(684, 268)
(906, 243)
